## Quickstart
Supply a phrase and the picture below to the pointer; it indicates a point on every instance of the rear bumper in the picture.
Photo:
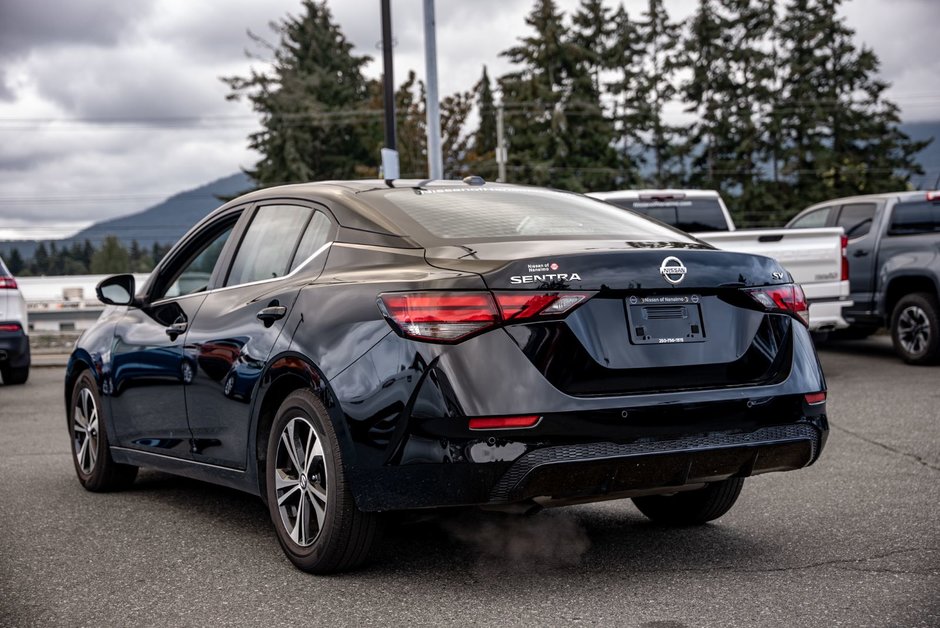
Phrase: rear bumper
(572, 473)
(14, 349)
(827, 315)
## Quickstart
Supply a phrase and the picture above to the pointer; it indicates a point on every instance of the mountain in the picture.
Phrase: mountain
(163, 223)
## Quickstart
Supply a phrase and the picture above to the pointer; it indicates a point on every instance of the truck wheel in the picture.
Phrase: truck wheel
(310, 503)
(915, 328)
(691, 507)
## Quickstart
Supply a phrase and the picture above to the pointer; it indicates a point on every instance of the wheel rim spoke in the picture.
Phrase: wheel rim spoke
(85, 431)
(300, 481)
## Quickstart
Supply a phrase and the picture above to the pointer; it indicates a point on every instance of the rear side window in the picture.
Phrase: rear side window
(315, 236)
(915, 217)
(269, 243)
(700, 214)
(816, 218)
(513, 213)
(856, 219)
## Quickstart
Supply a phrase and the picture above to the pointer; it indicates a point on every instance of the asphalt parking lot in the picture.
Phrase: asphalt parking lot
(851, 541)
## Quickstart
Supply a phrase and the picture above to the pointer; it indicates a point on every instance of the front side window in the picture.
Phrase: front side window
(194, 275)
(856, 219)
(816, 218)
(268, 246)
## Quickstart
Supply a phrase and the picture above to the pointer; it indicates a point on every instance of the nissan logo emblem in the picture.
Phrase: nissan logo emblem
(672, 270)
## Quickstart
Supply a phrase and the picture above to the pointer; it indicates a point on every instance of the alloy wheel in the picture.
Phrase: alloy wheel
(913, 328)
(85, 431)
(300, 481)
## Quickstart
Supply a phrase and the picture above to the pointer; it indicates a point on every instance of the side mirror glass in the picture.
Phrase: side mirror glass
(116, 290)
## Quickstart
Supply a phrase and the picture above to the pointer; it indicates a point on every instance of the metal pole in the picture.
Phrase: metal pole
(432, 104)
(388, 78)
(501, 153)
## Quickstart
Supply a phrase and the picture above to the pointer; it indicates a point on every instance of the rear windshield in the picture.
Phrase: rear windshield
(695, 214)
(915, 217)
(509, 213)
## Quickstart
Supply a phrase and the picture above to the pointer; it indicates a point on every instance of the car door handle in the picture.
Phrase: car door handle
(860, 253)
(176, 329)
(272, 313)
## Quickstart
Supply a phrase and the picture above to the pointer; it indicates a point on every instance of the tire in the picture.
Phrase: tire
(915, 328)
(691, 507)
(91, 452)
(14, 376)
(314, 515)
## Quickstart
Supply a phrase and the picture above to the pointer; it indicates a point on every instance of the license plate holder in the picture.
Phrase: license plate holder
(672, 319)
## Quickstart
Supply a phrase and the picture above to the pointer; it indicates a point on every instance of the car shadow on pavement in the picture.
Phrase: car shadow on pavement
(612, 536)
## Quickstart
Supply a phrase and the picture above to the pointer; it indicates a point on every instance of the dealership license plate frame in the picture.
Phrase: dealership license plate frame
(665, 319)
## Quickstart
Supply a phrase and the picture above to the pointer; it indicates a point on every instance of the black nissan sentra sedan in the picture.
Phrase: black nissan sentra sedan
(344, 349)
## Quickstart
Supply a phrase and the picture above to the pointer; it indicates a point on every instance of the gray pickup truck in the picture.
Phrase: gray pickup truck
(894, 266)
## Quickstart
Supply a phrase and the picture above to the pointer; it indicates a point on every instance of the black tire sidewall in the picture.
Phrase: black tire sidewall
(305, 404)
(94, 479)
(928, 304)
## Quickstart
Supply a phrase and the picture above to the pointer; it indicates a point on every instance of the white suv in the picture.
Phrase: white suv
(14, 341)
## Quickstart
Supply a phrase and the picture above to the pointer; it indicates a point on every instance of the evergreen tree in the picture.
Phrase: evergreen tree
(481, 157)
(532, 95)
(659, 38)
(593, 31)
(411, 122)
(15, 261)
(455, 141)
(311, 103)
(40, 265)
(624, 61)
(840, 133)
(111, 258)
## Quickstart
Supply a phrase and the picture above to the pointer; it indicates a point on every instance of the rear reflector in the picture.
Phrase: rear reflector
(453, 316)
(814, 399)
(787, 299)
(933, 196)
(7, 283)
(10, 327)
(503, 422)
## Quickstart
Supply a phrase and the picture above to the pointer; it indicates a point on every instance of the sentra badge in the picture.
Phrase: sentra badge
(672, 270)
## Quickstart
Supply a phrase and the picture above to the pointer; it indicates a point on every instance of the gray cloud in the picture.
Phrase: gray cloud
(145, 73)
(26, 26)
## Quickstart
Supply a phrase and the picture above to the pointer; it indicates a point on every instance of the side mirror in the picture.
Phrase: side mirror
(116, 290)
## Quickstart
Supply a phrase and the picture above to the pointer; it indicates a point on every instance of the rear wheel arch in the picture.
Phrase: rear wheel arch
(285, 374)
(898, 287)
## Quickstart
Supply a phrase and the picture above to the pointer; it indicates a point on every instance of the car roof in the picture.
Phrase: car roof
(907, 195)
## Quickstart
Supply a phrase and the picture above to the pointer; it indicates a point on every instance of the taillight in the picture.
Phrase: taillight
(787, 299)
(845, 258)
(10, 327)
(453, 316)
(7, 283)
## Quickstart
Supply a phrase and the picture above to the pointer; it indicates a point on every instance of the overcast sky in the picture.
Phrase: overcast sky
(109, 106)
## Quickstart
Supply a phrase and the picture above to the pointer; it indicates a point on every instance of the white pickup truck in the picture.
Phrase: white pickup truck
(815, 257)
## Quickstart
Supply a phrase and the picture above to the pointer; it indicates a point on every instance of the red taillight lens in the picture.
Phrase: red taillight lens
(788, 298)
(520, 305)
(10, 327)
(7, 283)
(442, 316)
(504, 422)
(453, 316)
(814, 399)
(845, 259)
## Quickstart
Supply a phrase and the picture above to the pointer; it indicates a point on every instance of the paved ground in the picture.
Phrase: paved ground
(851, 541)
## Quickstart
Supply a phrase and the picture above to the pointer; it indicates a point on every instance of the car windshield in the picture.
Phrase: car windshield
(475, 213)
